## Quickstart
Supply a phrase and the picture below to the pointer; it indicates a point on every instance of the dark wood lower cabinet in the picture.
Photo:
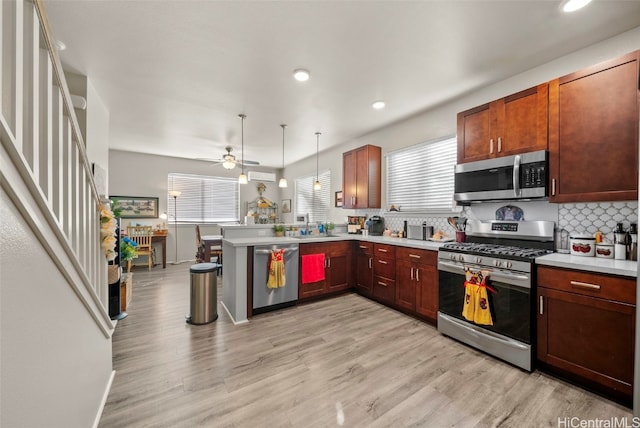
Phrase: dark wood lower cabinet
(364, 268)
(417, 281)
(337, 268)
(583, 333)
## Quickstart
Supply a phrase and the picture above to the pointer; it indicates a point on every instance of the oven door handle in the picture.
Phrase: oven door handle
(519, 280)
(516, 176)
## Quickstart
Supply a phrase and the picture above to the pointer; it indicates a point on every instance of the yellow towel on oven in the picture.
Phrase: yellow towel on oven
(476, 306)
(482, 314)
(276, 278)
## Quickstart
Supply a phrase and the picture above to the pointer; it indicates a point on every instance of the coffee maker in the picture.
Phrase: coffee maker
(376, 226)
(620, 242)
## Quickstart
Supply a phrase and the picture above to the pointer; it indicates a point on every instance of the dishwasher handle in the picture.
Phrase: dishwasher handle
(286, 250)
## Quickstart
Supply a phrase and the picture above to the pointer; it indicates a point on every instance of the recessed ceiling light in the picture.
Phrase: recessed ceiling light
(60, 45)
(378, 105)
(301, 75)
(573, 5)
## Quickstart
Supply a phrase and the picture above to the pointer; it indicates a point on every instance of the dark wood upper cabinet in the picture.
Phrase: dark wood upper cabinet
(593, 133)
(361, 177)
(514, 124)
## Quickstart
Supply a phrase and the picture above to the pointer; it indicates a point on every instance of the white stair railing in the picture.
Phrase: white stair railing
(39, 134)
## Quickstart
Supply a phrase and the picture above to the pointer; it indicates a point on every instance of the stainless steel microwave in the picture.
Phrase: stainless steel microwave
(522, 176)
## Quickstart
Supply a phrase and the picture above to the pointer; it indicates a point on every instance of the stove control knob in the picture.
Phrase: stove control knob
(497, 263)
(509, 264)
(453, 257)
(478, 260)
(461, 257)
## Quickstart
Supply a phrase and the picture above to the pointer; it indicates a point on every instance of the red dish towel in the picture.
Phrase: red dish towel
(312, 268)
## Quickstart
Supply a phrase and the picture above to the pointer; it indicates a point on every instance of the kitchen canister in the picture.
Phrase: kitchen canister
(582, 245)
(604, 250)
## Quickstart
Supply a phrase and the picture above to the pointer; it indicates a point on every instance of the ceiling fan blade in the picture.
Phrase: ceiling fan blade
(249, 163)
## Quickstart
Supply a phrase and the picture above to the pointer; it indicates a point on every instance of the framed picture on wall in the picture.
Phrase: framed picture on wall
(135, 206)
(339, 198)
(286, 206)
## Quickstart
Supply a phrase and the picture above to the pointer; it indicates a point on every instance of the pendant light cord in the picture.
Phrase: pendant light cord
(283, 126)
(242, 116)
(317, 151)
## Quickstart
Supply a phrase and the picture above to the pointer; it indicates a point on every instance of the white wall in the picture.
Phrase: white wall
(441, 121)
(55, 363)
(137, 174)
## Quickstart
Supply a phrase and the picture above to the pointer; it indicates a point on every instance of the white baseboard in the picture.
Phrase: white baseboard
(229, 313)
(103, 402)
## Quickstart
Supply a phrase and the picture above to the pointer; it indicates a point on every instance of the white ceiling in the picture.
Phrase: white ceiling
(174, 74)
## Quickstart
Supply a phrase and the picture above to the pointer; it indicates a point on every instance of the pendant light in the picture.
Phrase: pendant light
(242, 179)
(317, 185)
(283, 181)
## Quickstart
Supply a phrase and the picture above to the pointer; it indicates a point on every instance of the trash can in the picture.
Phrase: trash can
(204, 294)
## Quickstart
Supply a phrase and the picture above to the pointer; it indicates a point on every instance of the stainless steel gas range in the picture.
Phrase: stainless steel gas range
(502, 254)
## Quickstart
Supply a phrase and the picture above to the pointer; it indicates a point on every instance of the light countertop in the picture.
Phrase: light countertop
(273, 240)
(591, 264)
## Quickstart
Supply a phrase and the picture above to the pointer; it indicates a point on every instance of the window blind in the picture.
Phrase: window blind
(316, 203)
(421, 178)
(203, 199)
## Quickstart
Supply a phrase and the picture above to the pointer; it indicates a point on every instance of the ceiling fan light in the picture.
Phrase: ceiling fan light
(242, 179)
(228, 164)
(282, 183)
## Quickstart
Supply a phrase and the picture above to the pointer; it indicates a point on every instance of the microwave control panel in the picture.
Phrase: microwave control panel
(533, 175)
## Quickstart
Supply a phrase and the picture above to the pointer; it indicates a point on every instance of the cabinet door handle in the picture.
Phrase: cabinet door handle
(553, 187)
(362, 247)
(415, 256)
(411, 274)
(499, 144)
(382, 250)
(585, 285)
(382, 283)
(491, 146)
(541, 305)
(370, 261)
(328, 261)
(417, 274)
(382, 262)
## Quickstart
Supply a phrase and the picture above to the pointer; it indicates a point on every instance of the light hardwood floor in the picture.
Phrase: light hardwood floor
(345, 361)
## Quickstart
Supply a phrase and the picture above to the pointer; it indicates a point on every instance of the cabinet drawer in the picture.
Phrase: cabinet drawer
(418, 256)
(364, 247)
(384, 267)
(588, 284)
(385, 251)
(384, 289)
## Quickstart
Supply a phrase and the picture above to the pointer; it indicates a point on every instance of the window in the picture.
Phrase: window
(420, 178)
(203, 199)
(316, 203)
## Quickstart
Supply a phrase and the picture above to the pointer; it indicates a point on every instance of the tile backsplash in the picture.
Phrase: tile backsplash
(597, 216)
(575, 217)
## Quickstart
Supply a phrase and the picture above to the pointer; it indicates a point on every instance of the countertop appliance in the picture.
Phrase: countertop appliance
(267, 299)
(515, 177)
(376, 225)
(507, 250)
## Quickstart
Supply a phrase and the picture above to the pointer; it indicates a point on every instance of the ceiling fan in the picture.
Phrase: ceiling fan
(229, 161)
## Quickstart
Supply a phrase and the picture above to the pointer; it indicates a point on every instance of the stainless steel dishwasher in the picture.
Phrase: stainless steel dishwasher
(268, 299)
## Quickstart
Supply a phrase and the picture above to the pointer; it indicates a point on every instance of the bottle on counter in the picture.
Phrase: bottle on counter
(633, 242)
(620, 243)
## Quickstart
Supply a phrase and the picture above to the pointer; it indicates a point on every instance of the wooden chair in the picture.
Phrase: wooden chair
(142, 235)
(216, 251)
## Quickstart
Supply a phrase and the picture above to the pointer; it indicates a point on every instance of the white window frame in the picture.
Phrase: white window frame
(313, 202)
(216, 198)
(420, 178)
